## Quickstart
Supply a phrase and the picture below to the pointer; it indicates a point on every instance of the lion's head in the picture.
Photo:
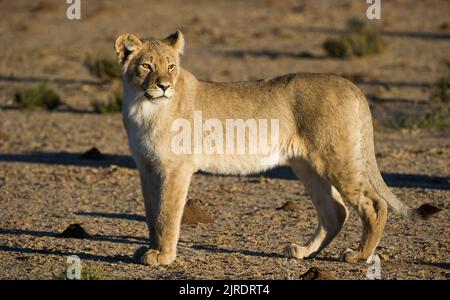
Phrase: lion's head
(151, 66)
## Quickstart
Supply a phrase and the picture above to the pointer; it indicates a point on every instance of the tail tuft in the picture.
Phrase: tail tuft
(424, 212)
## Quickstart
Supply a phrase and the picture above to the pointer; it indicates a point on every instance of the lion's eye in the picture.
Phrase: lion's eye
(171, 67)
(146, 66)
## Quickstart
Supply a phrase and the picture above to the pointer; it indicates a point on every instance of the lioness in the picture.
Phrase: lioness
(325, 135)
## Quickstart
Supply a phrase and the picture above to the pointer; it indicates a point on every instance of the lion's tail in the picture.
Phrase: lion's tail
(423, 212)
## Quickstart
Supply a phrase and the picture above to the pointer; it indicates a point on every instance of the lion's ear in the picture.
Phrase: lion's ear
(125, 45)
(176, 41)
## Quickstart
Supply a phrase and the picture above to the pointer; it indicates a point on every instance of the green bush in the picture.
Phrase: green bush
(40, 96)
(439, 92)
(336, 48)
(112, 104)
(87, 273)
(360, 39)
(103, 68)
(438, 118)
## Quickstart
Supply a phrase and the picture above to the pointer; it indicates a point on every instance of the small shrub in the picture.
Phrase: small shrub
(87, 273)
(439, 92)
(361, 39)
(336, 48)
(112, 104)
(438, 118)
(103, 68)
(40, 96)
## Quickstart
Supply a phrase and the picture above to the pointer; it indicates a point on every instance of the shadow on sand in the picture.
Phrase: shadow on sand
(125, 161)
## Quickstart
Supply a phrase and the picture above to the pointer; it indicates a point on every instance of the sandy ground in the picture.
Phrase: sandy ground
(45, 186)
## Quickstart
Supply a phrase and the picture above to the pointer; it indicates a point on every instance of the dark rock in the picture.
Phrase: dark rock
(75, 231)
(425, 211)
(93, 154)
(316, 274)
(22, 258)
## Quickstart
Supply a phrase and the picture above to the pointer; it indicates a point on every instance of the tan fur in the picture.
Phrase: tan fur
(326, 137)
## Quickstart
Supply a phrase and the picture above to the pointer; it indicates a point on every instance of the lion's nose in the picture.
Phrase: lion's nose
(163, 85)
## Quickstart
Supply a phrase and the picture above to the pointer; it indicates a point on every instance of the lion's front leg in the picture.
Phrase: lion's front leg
(164, 198)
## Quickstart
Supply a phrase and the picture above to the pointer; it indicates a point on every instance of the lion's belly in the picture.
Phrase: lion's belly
(240, 164)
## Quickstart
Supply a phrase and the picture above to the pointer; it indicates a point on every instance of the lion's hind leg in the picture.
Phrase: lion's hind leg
(331, 211)
(372, 210)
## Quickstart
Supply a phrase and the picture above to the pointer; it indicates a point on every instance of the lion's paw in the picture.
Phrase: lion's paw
(351, 256)
(153, 257)
(295, 251)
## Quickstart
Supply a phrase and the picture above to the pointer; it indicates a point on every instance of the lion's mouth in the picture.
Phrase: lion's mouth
(154, 97)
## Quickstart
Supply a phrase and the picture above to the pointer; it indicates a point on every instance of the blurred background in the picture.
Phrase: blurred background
(60, 95)
(226, 41)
